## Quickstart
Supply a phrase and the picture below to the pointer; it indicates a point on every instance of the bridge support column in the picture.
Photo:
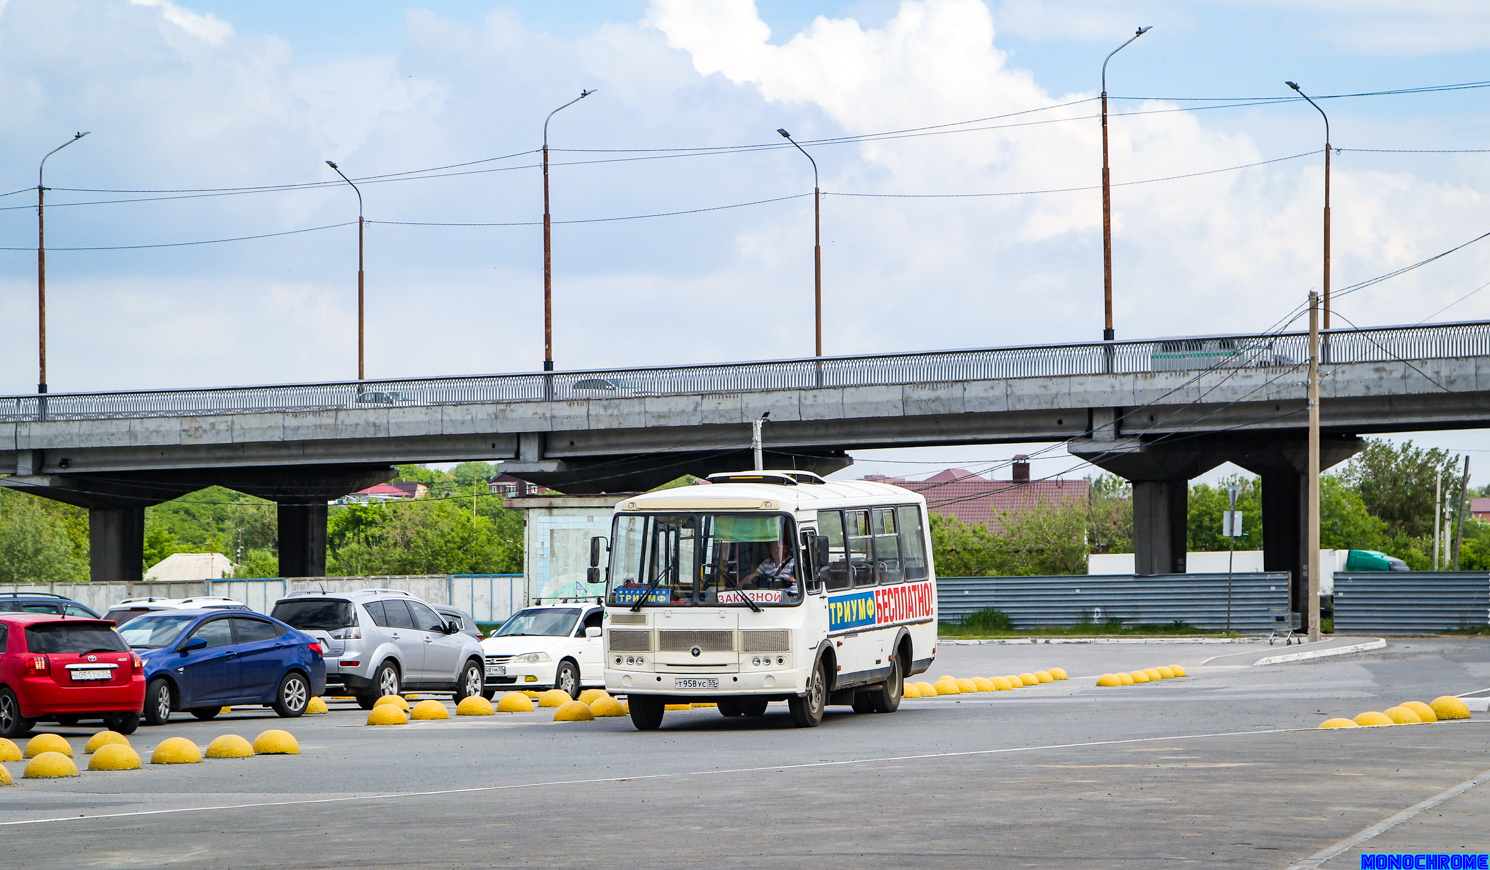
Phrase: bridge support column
(302, 539)
(116, 544)
(1160, 526)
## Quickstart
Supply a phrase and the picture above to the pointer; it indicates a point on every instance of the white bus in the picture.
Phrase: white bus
(767, 586)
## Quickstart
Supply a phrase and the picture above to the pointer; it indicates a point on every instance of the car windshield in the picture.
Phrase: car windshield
(316, 614)
(154, 631)
(539, 622)
(73, 638)
(704, 559)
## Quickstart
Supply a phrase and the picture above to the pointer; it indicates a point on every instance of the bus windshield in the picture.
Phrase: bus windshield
(696, 559)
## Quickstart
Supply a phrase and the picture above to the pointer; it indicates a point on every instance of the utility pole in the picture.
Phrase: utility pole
(756, 446)
(1459, 512)
(817, 245)
(41, 264)
(1437, 517)
(1232, 528)
(1107, 333)
(548, 272)
(361, 303)
(1301, 93)
(1312, 542)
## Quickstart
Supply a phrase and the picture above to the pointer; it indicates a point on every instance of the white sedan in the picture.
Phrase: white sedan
(551, 646)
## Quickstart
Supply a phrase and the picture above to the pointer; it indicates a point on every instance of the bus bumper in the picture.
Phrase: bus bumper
(787, 682)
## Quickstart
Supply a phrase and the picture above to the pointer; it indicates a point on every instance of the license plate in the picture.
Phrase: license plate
(496, 670)
(80, 675)
(697, 683)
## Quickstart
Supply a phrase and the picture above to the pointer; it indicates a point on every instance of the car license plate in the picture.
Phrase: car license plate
(496, 670)
(80, 675)
(697, 683)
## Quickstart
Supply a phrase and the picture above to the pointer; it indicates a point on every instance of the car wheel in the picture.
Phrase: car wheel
(568, 678)
(157, 702)
(807, 709)
(292, 696)
(386, 680)
(68, 721)
(646, 711)
(472, 681)
(123, 723)
(205, 713)
(12, 723)
(886, 698)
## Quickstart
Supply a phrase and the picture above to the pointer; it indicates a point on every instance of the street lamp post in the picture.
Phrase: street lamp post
(1107, 332)
(817, 243)
(548, 272)
(1301, 93)
(361, 302)
(41, 264)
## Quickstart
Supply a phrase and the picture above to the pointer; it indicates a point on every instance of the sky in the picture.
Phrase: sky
(182, 100)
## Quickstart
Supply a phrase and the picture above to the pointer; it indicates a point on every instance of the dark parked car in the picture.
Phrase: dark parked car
(43, 602)
(66, 669)
(202, 660)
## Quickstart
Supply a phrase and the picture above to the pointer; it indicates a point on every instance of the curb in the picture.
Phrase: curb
(1306, 655)
(1025, 641)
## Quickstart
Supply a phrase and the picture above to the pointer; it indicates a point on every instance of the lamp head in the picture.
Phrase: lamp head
(329, 163)
(1143, 30)
(77, 136)
(584, 93)
(784, 134)
(1294, 85)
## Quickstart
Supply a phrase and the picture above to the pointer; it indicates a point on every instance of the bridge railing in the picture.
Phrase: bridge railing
(1224, 352)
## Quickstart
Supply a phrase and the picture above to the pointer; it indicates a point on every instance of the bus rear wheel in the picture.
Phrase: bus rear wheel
(807, 709)
(646, 711)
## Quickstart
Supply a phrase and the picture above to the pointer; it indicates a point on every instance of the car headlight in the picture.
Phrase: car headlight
(531, 658)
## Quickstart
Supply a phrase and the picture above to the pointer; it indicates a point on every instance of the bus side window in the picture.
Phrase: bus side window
(834, 575)
(859, 552)
(886, 547)
(912, 542)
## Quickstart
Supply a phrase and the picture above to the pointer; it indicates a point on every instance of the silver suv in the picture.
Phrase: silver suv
(385, 641)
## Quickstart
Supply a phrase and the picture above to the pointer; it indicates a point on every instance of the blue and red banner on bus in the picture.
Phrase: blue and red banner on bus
(886, 605)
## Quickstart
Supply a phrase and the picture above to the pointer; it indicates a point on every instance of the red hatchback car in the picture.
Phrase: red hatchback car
(66, 669)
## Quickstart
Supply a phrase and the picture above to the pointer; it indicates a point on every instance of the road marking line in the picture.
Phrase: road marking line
(1318, 858)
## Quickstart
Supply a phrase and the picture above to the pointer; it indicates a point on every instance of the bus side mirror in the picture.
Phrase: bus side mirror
(592, 575)
(598, 545)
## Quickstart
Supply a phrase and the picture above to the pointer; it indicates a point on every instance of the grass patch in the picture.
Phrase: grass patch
(1470, 630)
(993, 623)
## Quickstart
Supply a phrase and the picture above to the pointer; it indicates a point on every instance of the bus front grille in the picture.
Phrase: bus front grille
(706, 641)
(628, 619)
(778, 640)
(630, 641)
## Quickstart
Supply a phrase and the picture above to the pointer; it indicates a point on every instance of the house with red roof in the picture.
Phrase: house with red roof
(975, 499)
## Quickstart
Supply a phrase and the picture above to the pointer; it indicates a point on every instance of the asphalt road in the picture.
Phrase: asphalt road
(1223, 768)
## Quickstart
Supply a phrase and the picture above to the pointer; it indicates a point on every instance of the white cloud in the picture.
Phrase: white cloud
(208, 28)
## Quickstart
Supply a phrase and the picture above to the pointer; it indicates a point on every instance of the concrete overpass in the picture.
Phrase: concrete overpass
(1156, 412)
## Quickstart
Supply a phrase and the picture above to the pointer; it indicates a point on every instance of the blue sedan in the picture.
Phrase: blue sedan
(202, 660)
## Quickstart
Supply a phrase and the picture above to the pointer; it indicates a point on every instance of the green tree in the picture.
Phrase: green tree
(1344, 521)
(1110, 514)
(1209, 503)
(257, 563)
(36, 545)
(1396, 484)
(429, 536)
(1044, 539)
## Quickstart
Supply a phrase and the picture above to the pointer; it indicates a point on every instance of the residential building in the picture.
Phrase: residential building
(975, 499)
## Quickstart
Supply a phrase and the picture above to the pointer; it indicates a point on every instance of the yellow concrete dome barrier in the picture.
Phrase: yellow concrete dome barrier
(1402, 716)
(945, 677)
(515, 702)
(983, 684)
(1109, 680)
(908, 691)
(49, 764)
(966, 686)
(1371, 717)
(1449, 707)
(1178, 671)
(1001, 683)
(5, 777)
(698, 706)
(531, 693)
(396, 700)
(429, 710)
(677, 708)
(1029, 679)
(387, 714)
(554, 698)
(589, 695)
(1153, 674)
(102, 739)
(1338, 723)
(276, 742)
(948, 687)
(9, 751)
(574, 711)
(1139, 676)
(1423, 710)
(1166, 672)
(1045, 676)
(605, 705)
(176, 750)
(316, 705)
(927, 689)
(1126, 678)
(1058, 673)
(229, 746)
(48, 743)
(115, 756)
(474, 705)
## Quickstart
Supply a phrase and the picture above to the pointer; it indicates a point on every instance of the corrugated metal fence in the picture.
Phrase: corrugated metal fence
(488, 597)
(1198, 600)
(1411, 601)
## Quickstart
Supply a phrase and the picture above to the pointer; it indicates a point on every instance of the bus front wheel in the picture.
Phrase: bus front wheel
(646, 711)
(807, 709)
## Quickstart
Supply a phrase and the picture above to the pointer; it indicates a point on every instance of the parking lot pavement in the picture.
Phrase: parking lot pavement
(1220, 769)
